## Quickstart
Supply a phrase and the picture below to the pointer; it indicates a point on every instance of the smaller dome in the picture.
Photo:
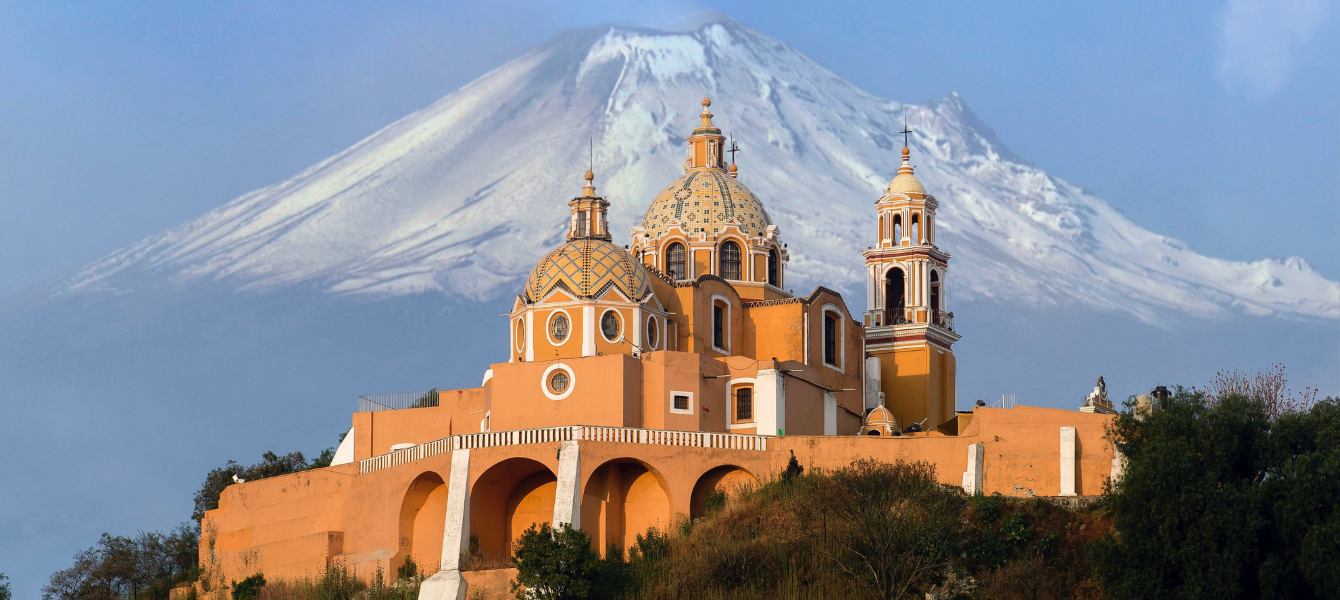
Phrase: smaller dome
(880, 422)
(906, 182)
(587, 268)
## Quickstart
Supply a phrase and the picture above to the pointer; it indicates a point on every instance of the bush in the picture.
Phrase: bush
(1227, 497)
(554, 564)
(249, 588)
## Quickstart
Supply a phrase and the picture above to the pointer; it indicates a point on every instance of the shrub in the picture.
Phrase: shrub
(249, 588)
(554, 564)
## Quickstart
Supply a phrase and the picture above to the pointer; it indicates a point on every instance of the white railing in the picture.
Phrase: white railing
(625, 435)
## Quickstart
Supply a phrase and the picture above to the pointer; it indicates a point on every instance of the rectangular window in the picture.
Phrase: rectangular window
(681, 402)
(581, 223)
(744, 404)
(718, 326)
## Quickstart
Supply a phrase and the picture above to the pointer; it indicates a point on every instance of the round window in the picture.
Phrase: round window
(520, 335)
(558, 327)
(609, 325)
(651, 333)
(558, 383)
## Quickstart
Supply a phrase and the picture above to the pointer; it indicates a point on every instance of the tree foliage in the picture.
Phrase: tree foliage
(554, 564)
(207, 498)
(1225, 496)
(145, 566)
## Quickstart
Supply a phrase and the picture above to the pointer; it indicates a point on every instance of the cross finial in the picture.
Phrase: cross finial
(905, 131)
(733, 149)
(590, 153)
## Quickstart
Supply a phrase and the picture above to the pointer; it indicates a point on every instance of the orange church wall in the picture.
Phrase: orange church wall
(604, 391)
(376, 432)
(604, 346)
(774, 331)
(288, 527)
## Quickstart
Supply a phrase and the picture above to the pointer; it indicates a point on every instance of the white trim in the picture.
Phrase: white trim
(677, 411)
(589, 329)
(549, 328)
(544, 381)
(601, 325)
(730, 404)
(530, 336)
(650, 326)
(839, 340)
(725, 325)
(519, 341)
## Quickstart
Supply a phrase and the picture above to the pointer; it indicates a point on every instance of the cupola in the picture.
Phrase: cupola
(589, 214)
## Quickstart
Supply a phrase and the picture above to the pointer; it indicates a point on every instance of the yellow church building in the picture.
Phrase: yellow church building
(640, 378)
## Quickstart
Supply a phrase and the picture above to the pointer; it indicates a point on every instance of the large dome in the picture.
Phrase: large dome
(586, 268)
(704, 200)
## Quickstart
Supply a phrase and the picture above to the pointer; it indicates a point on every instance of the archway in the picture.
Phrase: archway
(423, 515)
(508, 498)
(728, 479)
(622, 499)
(895, 300)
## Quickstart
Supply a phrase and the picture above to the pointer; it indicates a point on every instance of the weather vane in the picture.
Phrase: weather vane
(733, 149)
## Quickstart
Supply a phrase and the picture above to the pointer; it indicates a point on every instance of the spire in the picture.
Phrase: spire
(589, 213)
(707, 147)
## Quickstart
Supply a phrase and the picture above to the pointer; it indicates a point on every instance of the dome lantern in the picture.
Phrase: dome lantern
(589, 213)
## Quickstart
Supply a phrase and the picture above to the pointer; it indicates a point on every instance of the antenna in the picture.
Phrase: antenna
(591, 153)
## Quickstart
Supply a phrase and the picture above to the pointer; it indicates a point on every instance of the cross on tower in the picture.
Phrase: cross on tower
(905, 131)
(733, 149)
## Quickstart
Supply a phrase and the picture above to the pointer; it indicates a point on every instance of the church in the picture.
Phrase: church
(642, 377)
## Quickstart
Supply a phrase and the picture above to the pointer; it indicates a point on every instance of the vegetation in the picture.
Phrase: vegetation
(271, 465)
(146, 566)
(554, 564)
(1230, 493)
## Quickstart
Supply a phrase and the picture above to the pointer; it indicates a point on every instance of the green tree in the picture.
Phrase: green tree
(554, 564)
(1225, 497)
(249, 588)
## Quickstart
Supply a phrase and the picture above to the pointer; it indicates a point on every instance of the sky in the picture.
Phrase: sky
(1213, 122)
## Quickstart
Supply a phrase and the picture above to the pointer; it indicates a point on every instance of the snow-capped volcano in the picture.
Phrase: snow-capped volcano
(463, 197)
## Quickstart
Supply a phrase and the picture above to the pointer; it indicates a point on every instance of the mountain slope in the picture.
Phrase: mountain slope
(464, 196)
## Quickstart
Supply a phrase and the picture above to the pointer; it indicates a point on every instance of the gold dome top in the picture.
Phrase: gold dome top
(587, 268)
(906, 182)
(705, 201)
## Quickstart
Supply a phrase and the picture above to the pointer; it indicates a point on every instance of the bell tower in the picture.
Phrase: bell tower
(909, 334)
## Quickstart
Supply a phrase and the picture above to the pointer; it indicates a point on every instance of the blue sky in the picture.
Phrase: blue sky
(1214, 122)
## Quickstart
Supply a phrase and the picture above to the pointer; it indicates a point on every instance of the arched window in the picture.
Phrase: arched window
(897, 230)
(830, 340)
(730, 260)
(915, 229)
(935, 293)
(718, 325)
(773, 259)
(929, 233)
(895, 301)
(674, 262)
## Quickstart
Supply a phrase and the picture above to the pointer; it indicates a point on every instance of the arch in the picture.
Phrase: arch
(895, 296)
(509, 497)
(897, 230)
(622, 498)
(914, 228)
(774, 268)
(721, 322)
(935, 292)
(729, 479)
(423, 516)
(930, 234)
(833, 337)
(676, 260)
(730, 264)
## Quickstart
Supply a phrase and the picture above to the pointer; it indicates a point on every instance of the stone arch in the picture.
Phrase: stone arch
(622, 498)
(423, 514)
(509, 497)
(730, 479)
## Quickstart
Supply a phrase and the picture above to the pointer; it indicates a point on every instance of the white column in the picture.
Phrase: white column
(589, 330)
(1118, 465)
(871, 283)
(830, 413)
(530, 336)
(637, 326)
(1068, 461)
(448, 584)
(769, 402)
(568, 493)
(972, 478)
(873, 382)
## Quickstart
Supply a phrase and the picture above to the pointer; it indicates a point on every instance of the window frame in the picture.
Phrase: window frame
(601, 325)
(677, 411)
(731, 386)
(684, 260)
(549, 327)
(725, 324)
(652, 334)
(839, 337)
(738, 261)
(773, 276)
(544, 381)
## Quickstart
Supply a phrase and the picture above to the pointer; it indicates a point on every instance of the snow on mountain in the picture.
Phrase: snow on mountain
(464, 196)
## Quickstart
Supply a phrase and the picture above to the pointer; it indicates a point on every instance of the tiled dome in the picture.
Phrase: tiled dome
(587, 268)
(706, 200)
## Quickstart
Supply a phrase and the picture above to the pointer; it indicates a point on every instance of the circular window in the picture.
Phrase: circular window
(520, 335)
(652, 332)
(558, 382)
(558, 327)
(609, 325)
